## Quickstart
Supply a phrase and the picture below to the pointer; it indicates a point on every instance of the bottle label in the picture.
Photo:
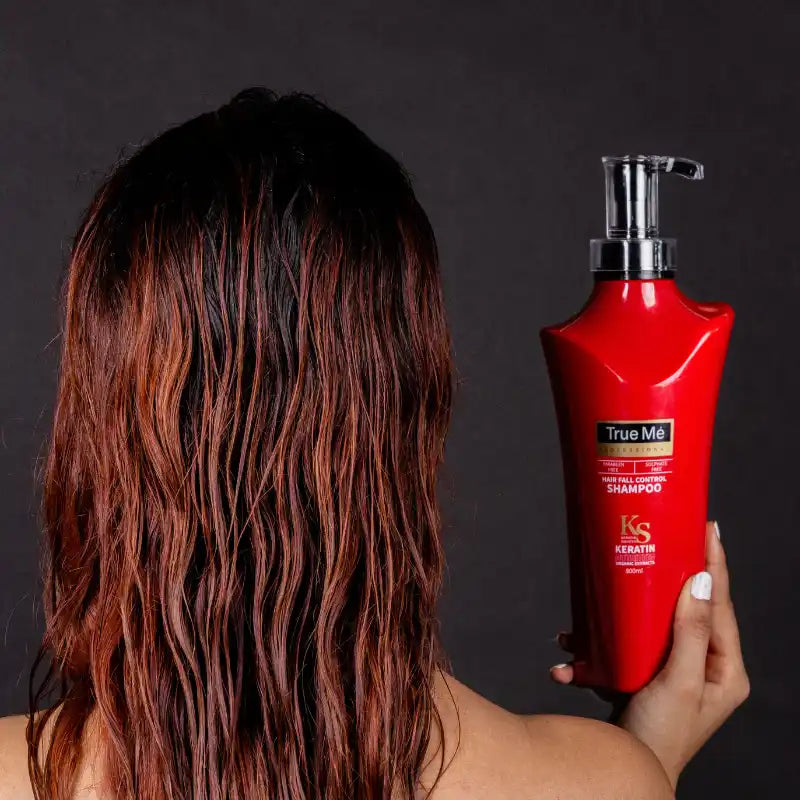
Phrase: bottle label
(634, 460)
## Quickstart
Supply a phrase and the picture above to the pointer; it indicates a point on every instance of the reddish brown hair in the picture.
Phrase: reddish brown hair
(242, 534)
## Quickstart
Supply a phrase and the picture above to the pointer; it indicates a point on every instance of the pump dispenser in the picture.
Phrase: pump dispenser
(635, 376)
(632, 247)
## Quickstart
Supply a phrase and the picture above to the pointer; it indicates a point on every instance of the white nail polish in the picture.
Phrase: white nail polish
(701, 586)
(716, 529)
(559, 666)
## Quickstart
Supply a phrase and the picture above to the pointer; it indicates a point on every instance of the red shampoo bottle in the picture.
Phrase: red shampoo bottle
(635, 376)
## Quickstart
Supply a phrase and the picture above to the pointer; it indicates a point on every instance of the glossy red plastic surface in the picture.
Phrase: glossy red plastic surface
(639, 351)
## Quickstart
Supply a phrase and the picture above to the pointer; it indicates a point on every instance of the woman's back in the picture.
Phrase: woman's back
(491, 755)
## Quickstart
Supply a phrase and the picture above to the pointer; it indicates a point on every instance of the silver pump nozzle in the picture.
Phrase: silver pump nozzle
(632, 247)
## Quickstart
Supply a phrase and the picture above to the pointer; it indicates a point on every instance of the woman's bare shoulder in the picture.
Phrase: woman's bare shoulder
(496, 754)
(14, 781)
(14, 777)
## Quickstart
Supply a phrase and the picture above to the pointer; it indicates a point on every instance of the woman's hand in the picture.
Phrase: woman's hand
(704, 678)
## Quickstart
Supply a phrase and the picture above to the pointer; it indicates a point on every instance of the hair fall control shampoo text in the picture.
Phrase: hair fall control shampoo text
(635, 376)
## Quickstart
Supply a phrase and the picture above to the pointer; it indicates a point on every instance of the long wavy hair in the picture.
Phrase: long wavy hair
(242, 536)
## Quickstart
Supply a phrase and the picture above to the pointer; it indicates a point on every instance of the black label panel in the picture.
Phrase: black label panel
(636, 438)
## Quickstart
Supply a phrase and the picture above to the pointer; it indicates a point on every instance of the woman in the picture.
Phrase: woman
(241, 519)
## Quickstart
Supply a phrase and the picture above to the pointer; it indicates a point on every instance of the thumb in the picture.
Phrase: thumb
(686, 664)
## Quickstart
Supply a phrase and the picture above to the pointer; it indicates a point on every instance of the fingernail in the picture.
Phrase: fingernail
(701, 586)
(716, 530)
(559, 666)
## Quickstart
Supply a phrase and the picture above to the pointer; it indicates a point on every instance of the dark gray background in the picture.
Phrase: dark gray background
(501, 112)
